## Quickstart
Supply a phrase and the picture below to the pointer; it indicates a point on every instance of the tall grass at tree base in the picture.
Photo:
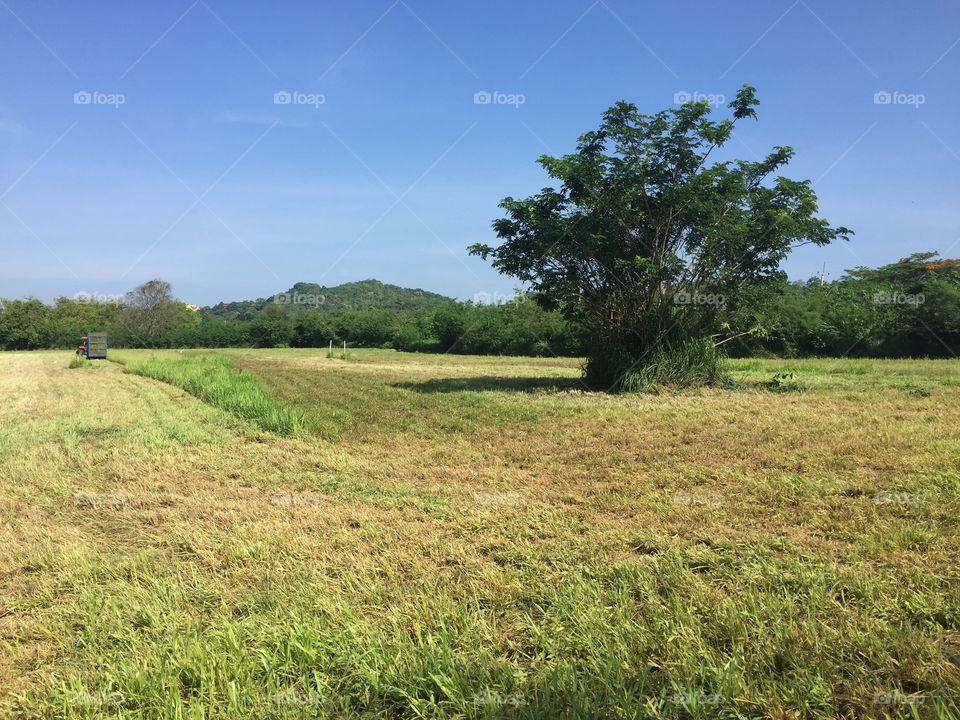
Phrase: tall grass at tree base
(680, 364)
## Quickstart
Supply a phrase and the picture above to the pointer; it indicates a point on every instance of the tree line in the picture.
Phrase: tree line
(150, 317)
(910, 308)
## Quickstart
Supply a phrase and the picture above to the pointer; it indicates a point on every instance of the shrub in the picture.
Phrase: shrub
(690, 363)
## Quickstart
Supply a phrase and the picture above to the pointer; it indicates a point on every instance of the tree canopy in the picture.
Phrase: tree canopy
(645, 237)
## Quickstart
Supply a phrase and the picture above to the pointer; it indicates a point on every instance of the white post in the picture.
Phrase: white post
(331, 347)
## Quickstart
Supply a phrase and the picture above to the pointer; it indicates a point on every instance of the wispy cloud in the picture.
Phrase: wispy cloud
(231, 117)
(8, 127)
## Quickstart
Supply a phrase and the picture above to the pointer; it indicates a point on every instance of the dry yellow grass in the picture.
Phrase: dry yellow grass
(478, 537)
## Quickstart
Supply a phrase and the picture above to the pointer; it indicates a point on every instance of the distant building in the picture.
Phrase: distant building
(195, 308)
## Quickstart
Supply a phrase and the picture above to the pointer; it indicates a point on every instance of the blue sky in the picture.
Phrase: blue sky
(184, 166)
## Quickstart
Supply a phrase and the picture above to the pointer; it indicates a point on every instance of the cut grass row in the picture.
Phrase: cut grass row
(215, 380)
(278, 396)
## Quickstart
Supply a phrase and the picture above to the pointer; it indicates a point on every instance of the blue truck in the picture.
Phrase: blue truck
(93, 346)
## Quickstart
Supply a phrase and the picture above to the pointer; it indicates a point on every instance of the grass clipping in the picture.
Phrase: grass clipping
(215, 380)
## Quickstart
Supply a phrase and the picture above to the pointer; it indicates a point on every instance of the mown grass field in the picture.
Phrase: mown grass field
(440, 536)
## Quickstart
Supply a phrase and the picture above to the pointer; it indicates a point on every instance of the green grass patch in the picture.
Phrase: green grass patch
(215, 380)
(79, 361)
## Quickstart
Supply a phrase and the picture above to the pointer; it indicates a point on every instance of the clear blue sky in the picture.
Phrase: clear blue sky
(200, 178)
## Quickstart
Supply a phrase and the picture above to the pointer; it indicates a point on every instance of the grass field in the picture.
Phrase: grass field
(440, 536)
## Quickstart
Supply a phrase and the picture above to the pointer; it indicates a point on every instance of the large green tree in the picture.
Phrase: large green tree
(647, 236)
(150, 314)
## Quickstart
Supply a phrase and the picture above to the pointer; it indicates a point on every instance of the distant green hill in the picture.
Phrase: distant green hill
(362, 295)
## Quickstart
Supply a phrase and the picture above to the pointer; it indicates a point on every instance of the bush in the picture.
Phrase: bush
(691, 363)
(784, 382)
